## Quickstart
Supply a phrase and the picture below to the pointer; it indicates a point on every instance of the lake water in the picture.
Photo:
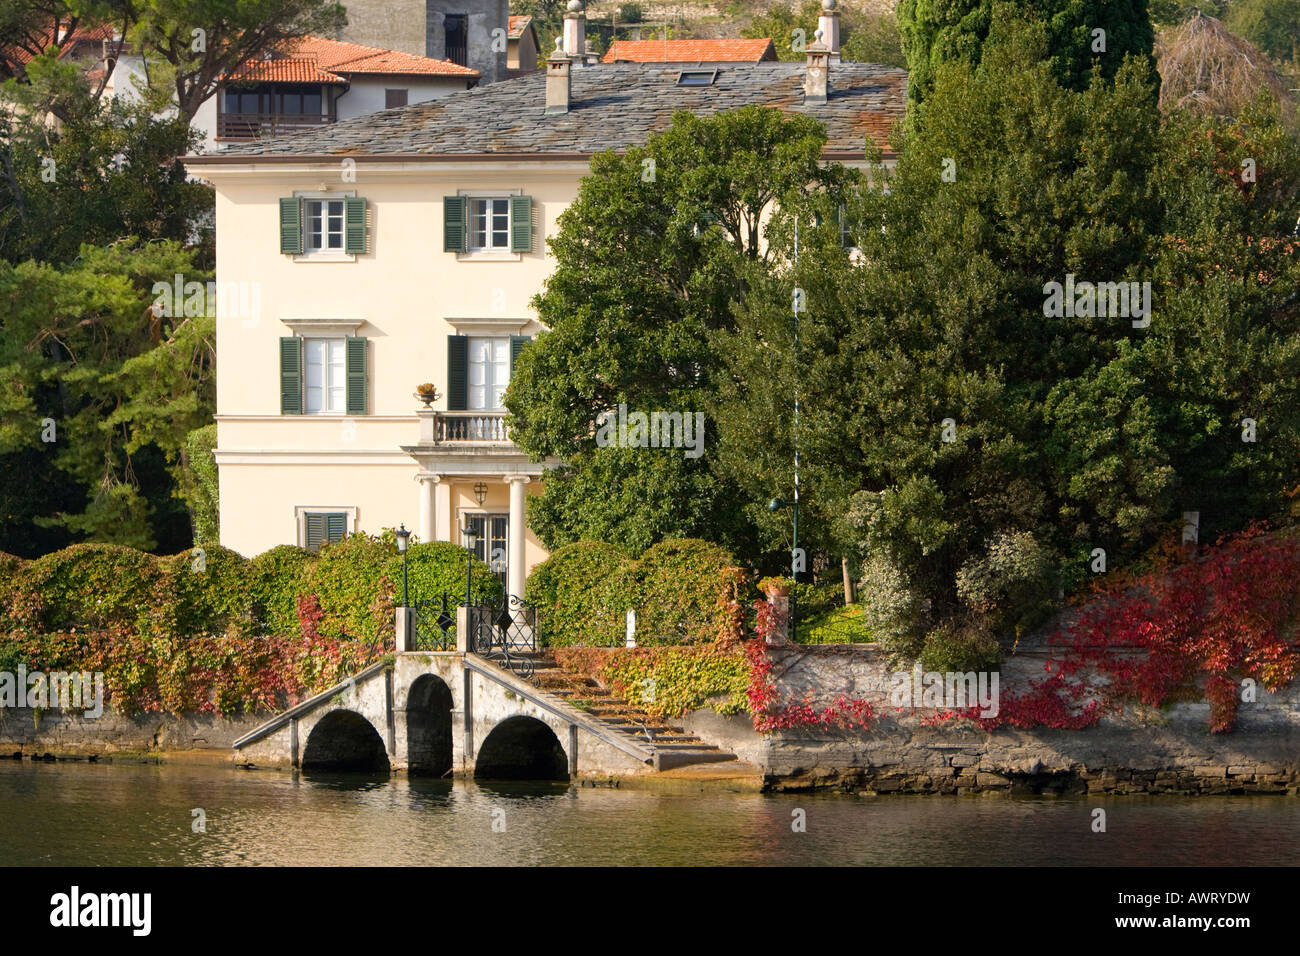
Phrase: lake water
(81, 814)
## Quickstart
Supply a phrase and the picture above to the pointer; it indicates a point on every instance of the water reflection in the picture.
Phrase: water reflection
(105, 814)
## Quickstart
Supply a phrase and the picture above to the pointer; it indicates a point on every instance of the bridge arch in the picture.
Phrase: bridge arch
(428, 727)
(521, 748)
(343, 740)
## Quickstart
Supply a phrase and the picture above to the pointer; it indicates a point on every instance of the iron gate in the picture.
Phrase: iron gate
(506, 633)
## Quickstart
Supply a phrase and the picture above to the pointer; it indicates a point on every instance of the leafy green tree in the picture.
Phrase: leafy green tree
(1272, 25)
(200, 41)
(943, 31)
(102, 391)
(648, 260)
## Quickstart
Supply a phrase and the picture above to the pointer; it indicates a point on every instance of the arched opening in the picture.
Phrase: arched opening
(428, 727)
(345, 741)
(521, 748)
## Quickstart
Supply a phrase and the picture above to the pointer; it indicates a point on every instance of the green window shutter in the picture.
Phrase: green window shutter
(290, 375)
(291, 226)
(517, 343)
(355, 358)
(354, 226)
(316, 531)
(455, 225)
(521, 223)
(336, 526)
(457, 373)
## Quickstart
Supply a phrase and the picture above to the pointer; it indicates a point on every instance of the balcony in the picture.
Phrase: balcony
(238, 127)
(476, 428)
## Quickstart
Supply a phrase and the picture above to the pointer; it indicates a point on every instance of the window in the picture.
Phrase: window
(491, 546)
(457, 45)
(696, 77)
(321, 527)
(489, 224)
(326, 380)
(489, 372)
(394, 98)
(324, 225)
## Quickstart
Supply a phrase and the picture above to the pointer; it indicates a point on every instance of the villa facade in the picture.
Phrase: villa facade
(404, 248)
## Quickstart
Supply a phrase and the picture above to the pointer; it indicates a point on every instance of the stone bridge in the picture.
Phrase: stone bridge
(439, 714)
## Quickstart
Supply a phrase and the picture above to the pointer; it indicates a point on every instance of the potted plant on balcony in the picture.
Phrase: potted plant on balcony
(427, 393)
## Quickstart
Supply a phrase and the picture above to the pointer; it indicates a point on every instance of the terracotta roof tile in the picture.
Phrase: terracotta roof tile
(313, 59)
(611, 107)
(291, 69)
(690, 51)
(516, 26)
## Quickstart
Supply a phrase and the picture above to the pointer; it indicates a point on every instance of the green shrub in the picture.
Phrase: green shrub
(679, 581)
(960, 647)
(438, 567)
(199, 484)
(839, 625)
(88, 586)
(668, 681)
(205, 591)
(12, 580)
(351, 581)
(815, 600)
(582, 592)
(275, 579)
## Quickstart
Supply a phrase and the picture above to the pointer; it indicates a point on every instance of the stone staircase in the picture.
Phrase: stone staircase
(672, 746)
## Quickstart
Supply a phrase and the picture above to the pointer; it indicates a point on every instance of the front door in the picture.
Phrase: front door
(492, 544)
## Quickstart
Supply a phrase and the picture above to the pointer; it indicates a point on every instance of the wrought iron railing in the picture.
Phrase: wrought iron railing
(434, 626)
(506, 633)
(471, 427)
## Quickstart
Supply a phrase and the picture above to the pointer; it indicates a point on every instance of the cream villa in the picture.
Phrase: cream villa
(404, 248)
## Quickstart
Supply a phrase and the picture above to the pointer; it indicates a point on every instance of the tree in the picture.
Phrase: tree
(943, 31)
(648, 260)
(107, 171)
(1272, 25)
(101, 392)
(200, 41)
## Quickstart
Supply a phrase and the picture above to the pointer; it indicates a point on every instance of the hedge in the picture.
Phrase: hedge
(683, 591)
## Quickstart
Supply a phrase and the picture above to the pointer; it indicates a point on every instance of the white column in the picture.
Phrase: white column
(428, 484)
(515, 574)
(442, 512)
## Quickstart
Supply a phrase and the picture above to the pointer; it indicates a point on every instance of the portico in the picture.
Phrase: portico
(470, 473)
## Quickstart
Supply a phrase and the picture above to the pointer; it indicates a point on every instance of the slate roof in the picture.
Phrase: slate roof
(690, 51)
(612, 106)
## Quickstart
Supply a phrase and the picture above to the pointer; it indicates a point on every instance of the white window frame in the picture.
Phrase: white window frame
(300, 513)
(326, 255)
(489, 387)
(488, 255)
(325, 386)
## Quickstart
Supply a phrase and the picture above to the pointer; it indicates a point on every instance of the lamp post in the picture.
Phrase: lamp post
(471, 536)
(403, 544)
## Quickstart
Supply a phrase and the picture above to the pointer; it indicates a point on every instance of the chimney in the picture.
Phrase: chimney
(575, 31)
(557, 78)
(828, 22)
(817, 83)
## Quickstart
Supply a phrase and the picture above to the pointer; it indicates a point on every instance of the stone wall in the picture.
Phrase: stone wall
(70, 733)
(1142, 749)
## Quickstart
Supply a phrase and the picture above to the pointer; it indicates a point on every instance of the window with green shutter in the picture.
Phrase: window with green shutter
(290, 375)
(291, 226)
(521, 223)
(356, 375)
(323, 527)
(457, 373)
(517, 343)
(455, 231)
(354, 226)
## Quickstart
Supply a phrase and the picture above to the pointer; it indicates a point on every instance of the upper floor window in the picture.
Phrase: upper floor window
(326, 378)
(489, 224)
(457, 38)
(324, 225)
(394, 99)
(489, 372)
